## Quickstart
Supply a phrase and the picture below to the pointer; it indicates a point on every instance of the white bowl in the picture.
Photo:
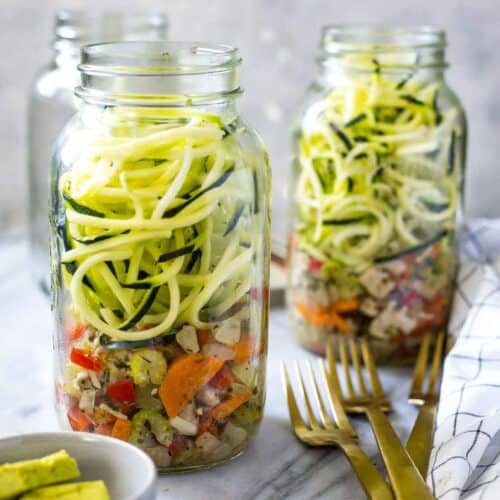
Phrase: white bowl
(128, 472)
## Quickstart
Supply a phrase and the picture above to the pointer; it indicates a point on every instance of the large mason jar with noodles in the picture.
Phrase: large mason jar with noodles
(378, 158)
(160, 230)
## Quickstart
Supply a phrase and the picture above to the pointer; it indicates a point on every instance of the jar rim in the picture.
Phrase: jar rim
(157, 58)
(159, 69)
(382, 36)
(426, 42)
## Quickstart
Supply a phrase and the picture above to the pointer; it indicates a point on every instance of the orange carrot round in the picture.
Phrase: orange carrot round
(230, 404)
(184, 378)
(346, 305)
(245, 349)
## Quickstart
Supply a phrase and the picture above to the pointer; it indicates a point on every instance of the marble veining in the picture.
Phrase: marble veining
(274, 466)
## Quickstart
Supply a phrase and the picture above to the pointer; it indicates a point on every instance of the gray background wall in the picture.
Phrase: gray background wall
(278, 40)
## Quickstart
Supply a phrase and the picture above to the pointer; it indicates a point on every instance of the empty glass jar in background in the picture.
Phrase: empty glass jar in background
(379, 150)
(52, 103)
(160, 239)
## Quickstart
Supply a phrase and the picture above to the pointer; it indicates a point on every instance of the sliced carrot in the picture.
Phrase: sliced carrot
(346, 305)
(79, 420)
(245, 349)
(230, 404)
(313, 315)
(122, 429)
(322, 317)
(338, 321)
(185, 377)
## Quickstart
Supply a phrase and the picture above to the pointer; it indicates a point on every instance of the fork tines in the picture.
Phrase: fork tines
(419, 395)
(356, 401)
(339, 420)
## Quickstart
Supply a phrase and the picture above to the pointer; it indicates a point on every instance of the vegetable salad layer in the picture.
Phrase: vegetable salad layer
(161, 236)
(379, 176)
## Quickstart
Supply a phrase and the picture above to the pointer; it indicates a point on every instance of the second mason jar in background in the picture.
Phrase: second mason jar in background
(52, 103)
(379, 150)
(160, 230)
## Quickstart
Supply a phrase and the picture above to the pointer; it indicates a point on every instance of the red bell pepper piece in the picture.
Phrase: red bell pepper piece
(314, 265)
(122, 392)
(81, 358)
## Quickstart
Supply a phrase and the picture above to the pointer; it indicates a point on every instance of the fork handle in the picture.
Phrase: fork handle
(403, 474)
(419, 443)
(372, 482)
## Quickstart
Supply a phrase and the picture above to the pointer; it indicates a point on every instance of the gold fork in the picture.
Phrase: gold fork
(419, 443)
(337, 432)
(403, 474)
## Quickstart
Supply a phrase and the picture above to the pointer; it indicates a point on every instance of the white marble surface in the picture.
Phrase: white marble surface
(275, 465)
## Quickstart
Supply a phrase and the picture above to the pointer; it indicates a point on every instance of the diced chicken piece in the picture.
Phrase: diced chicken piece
(218, 351)
(234, 435)
(228, 332)
(87, 400)
(221, 452)
(82, 381)
(406, 323)
(369, 307)
(209, 396)
(318, 297)
(395, 267)
(160, 455)
(183, 426)
(378, 282)
(189, 414)
(393, 319)
(188, 339)
(208, 443)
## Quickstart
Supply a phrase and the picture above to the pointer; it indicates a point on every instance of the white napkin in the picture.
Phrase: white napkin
(465, 460)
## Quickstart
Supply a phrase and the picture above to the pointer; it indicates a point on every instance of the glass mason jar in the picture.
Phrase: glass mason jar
(52, 104)
(379, 150)
(160, 231)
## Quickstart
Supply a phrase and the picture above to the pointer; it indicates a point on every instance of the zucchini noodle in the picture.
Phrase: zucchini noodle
(379, 152)
(155, 224)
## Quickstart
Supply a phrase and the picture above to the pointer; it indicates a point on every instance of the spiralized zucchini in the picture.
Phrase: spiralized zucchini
(157, 223)
(378, 168)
